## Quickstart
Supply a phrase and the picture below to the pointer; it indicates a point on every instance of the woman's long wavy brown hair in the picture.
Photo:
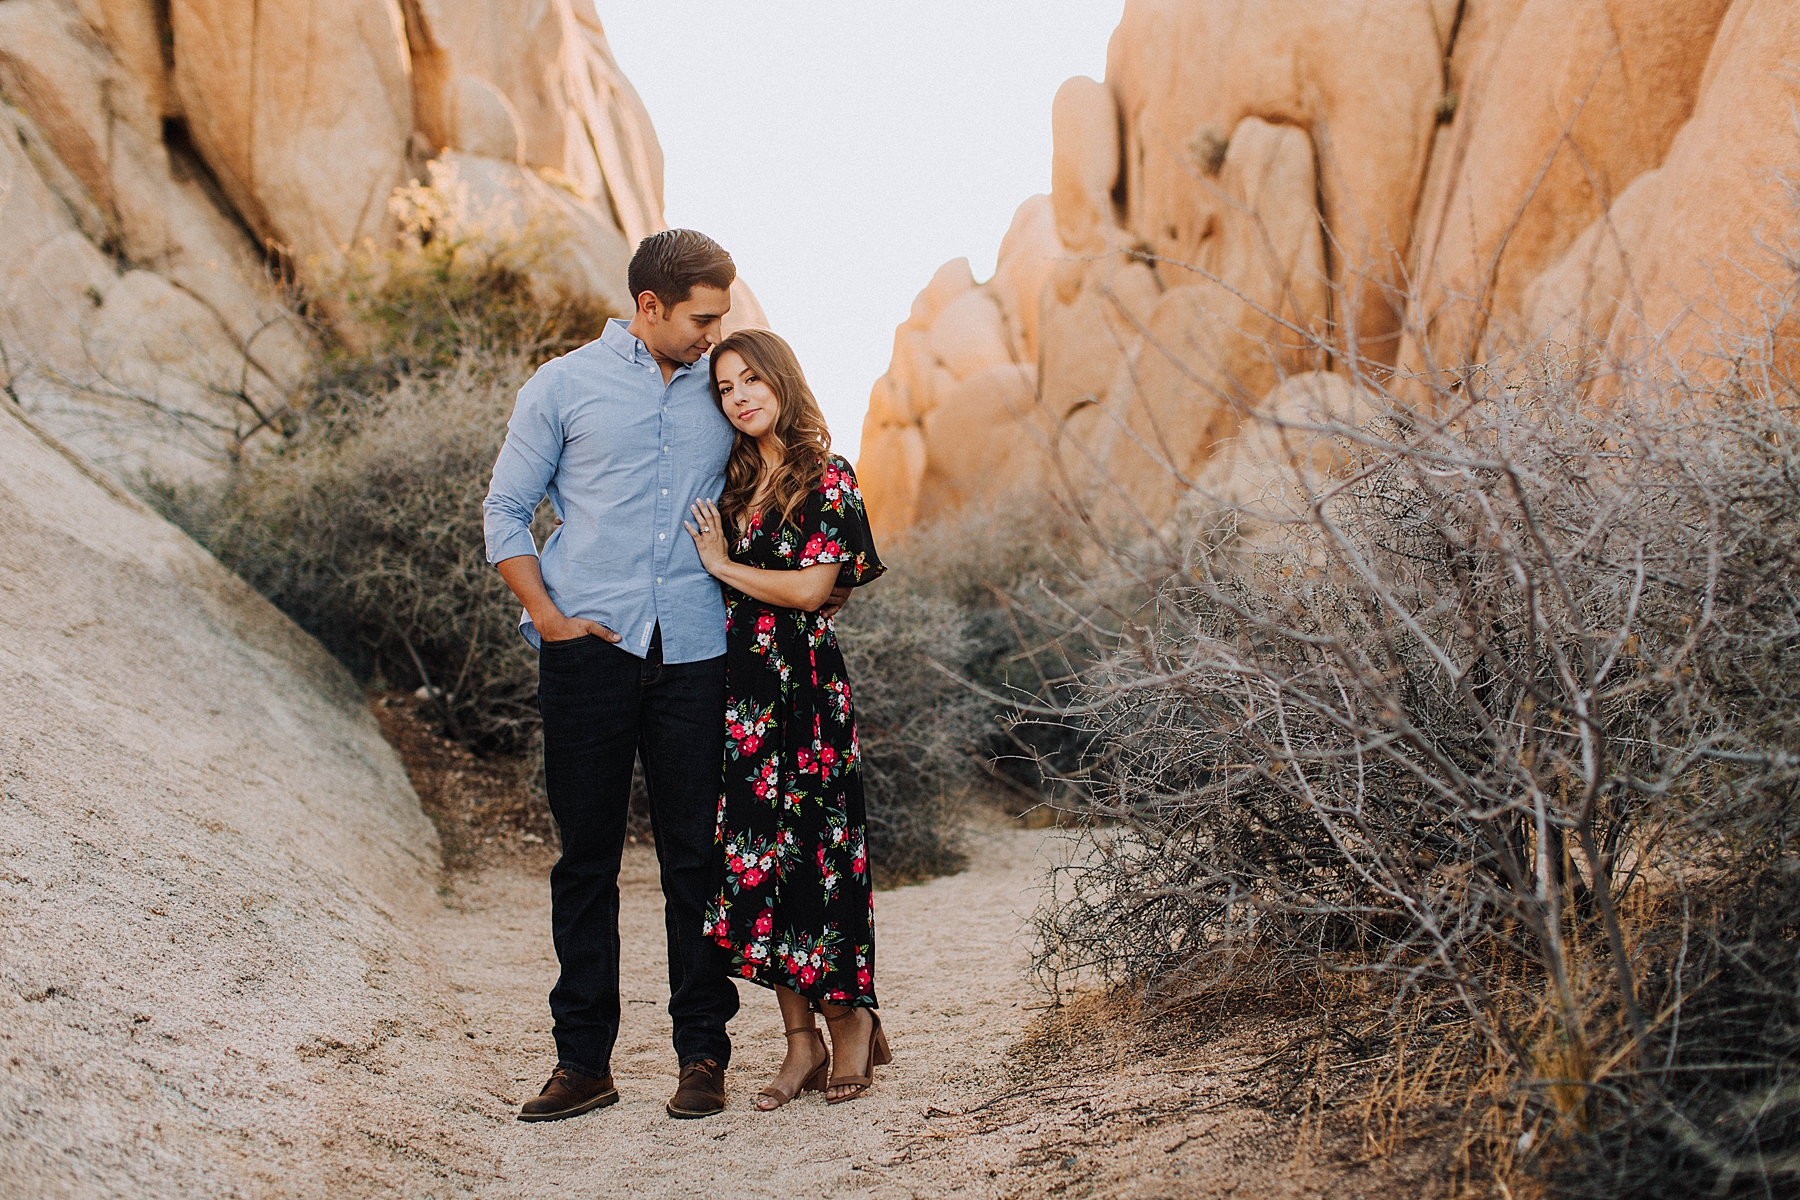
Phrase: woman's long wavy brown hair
(799, 428)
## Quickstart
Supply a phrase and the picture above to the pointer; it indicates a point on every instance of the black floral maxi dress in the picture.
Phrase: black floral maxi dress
(796, 907)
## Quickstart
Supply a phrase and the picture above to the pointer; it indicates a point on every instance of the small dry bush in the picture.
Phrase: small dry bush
(1507, 720)
(1010, 571)
(935, 654)
(370, 537)
(915, 726)
(453, 292)
(365, 523)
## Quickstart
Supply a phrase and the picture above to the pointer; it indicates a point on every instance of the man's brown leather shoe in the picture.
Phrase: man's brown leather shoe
(701, 1091)
(569, 1094)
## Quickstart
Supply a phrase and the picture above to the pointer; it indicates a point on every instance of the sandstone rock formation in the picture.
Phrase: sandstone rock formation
(168, 167)
(1382, 190)
(213, 879)
(1565, 107)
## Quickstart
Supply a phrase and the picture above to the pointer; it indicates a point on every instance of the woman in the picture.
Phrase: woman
(796, 909)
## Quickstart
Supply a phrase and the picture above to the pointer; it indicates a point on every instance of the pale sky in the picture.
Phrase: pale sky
(842, 152)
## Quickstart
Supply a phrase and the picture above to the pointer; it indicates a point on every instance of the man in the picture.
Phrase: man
(623, 434)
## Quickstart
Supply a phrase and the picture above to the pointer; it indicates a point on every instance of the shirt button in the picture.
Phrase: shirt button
(659, 579)
(665, 449)
(661, 536)
(665, 491)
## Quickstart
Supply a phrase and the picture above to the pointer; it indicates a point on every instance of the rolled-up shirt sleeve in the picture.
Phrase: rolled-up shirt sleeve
(522, 473)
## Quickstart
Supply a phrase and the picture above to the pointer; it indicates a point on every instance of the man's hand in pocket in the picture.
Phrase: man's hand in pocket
(566, 629)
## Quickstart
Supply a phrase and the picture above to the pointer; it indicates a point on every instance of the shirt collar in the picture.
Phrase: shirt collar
(618, 337)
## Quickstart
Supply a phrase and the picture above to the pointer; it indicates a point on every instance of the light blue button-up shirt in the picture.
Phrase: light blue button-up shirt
(621, 456)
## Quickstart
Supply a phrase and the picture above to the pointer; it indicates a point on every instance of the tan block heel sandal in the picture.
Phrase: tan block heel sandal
(815, 1082)
(878, 1057)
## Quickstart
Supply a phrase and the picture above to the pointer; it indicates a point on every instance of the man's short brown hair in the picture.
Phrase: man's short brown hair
(673, 262)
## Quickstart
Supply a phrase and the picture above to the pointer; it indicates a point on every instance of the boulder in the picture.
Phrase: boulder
(1577, 101)
(1361, 79)
(889, 469)
(951, 280)
(480, 120)
(1087, 338)
(231, 149)
(1191, 195)
(1300, 438)
(486, 73)
(1029, 253)
(980, 442)
(1712, 272)
(567, 243)
(1084, 165)
(135, 371)
(98, 125)
(303, 111)
(970, 335)
(746, 310)
(1249, 311)
(1570, 308)
(53, 68)
(213, 882)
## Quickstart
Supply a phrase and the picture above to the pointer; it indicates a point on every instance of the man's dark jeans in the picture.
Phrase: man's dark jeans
(603, 707)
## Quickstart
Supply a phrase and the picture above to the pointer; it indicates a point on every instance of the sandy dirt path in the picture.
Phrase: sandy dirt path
(952, 974)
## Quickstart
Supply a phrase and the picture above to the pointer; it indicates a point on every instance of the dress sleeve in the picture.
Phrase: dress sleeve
(836, 527)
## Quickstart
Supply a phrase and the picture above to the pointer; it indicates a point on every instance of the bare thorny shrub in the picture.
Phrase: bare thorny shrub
(1508, 721)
